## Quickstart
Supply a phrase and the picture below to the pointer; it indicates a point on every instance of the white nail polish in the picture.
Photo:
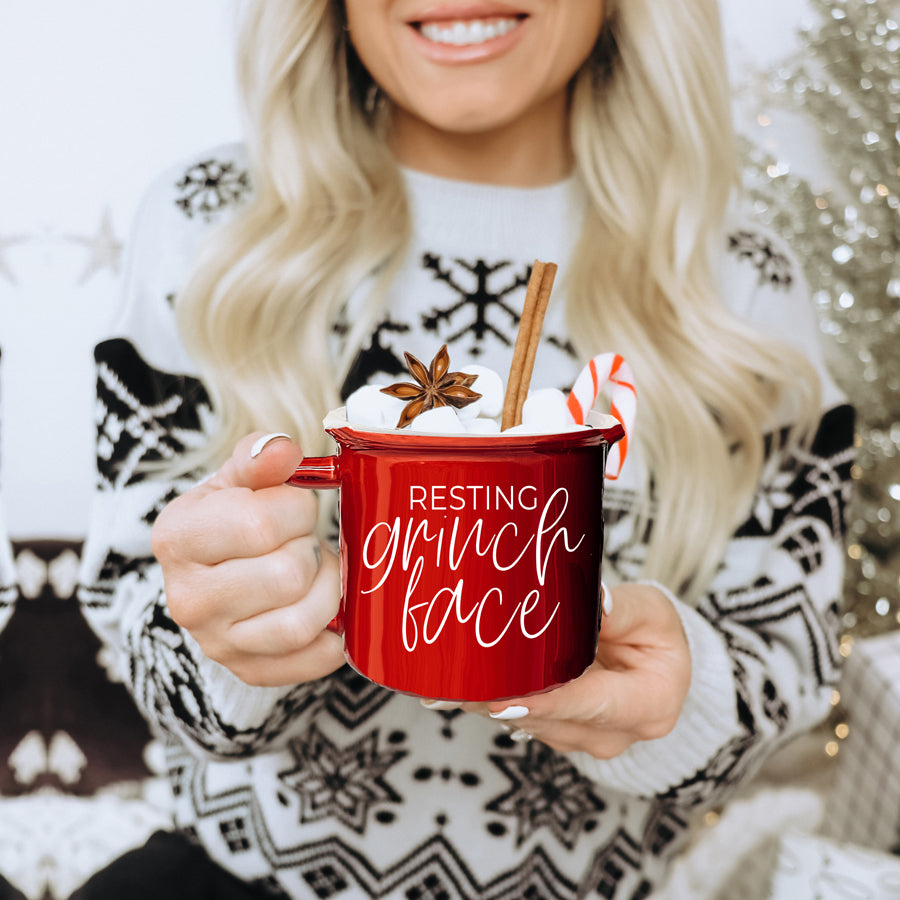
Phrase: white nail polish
(439, 705)
(511, 712)
(606, 594)
(264, 442)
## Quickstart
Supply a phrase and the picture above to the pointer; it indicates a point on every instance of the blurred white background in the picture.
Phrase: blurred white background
(96, 97)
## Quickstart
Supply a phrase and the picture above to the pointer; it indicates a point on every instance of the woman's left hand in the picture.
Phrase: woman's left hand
(633, 691)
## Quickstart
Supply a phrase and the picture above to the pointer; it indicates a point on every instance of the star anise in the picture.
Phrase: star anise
(434, 387)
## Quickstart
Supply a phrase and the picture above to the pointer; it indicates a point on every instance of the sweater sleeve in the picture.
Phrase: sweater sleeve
(150, 408)
(764, 638)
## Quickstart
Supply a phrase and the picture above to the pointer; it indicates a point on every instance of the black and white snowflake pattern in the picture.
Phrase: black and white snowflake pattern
(378, 358)
(812, 482)
(825, 488)
(774, 267)
(352, 699)
(614, 862)
(164, 500)
(210, 186)
(729, 767)
(114, 568)
(326, 881)
(343, 783)
(168, 683)
(746, 618)
(799, 511)
(478, 300)
(545, 791)
(665, 825)
(334, 867)
(143, 415)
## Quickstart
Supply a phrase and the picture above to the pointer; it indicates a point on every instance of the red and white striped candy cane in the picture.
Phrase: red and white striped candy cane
(607, 372)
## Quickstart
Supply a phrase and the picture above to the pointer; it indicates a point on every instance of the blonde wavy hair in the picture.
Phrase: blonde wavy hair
(650, 125)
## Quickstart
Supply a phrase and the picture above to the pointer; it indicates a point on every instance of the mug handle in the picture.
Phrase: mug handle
(319, 472)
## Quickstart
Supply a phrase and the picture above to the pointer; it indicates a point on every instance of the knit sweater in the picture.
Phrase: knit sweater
(340, 788)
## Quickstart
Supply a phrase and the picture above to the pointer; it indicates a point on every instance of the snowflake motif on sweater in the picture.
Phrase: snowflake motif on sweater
(342, 789)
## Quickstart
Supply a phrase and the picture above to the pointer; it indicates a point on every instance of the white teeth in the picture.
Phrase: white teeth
(463, 33)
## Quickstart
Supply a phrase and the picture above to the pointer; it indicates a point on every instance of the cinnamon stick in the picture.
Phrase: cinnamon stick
(537, 324)
(537, 297)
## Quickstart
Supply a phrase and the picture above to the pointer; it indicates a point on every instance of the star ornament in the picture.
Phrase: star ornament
(434, 387)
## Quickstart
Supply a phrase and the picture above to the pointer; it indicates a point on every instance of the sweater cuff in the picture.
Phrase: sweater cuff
(708, 720)
(242, 705)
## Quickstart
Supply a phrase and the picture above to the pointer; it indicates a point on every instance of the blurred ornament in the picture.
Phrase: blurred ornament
(846, 81)
(105, 247)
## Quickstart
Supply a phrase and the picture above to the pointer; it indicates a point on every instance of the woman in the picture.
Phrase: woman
(408, 160)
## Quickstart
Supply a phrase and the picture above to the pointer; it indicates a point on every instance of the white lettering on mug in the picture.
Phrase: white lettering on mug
(422, 542)
(390, 547)
(500, 567)
(534, 502)
(474, 497)
(560, 532)
(452, 598)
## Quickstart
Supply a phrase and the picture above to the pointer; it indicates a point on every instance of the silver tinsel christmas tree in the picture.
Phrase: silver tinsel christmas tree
(846, 82)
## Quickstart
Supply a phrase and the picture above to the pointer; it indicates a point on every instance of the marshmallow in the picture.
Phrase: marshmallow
(442, 420)
(367, 406)
(522, 429)
(482, 426)
(546, 409)
(490, 386)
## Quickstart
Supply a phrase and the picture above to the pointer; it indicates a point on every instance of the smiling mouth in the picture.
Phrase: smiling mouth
(463, 33)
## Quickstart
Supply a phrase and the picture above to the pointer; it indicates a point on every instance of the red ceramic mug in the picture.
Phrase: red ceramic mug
(470, 565)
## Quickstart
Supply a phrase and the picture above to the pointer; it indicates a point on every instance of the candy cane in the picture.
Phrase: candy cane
(610, 373)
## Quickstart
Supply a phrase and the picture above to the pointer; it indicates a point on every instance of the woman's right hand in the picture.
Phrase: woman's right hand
(245, 573)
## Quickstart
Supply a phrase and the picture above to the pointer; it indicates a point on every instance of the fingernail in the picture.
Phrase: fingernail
(439, 704)
(264, 442)
(521, 737)
(606, 594)
(511, 712)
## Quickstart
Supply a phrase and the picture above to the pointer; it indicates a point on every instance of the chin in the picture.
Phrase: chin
(470, 117)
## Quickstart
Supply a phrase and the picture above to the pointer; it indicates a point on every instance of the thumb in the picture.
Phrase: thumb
(259, 461)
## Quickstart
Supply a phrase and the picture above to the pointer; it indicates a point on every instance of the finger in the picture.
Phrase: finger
(274, 462)
(622, 701)
(318, 659)
(292, 626)
(207, 599)
(574, 737)
(256, 585)
(233, 523)
(584, 699)
(641, 614)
